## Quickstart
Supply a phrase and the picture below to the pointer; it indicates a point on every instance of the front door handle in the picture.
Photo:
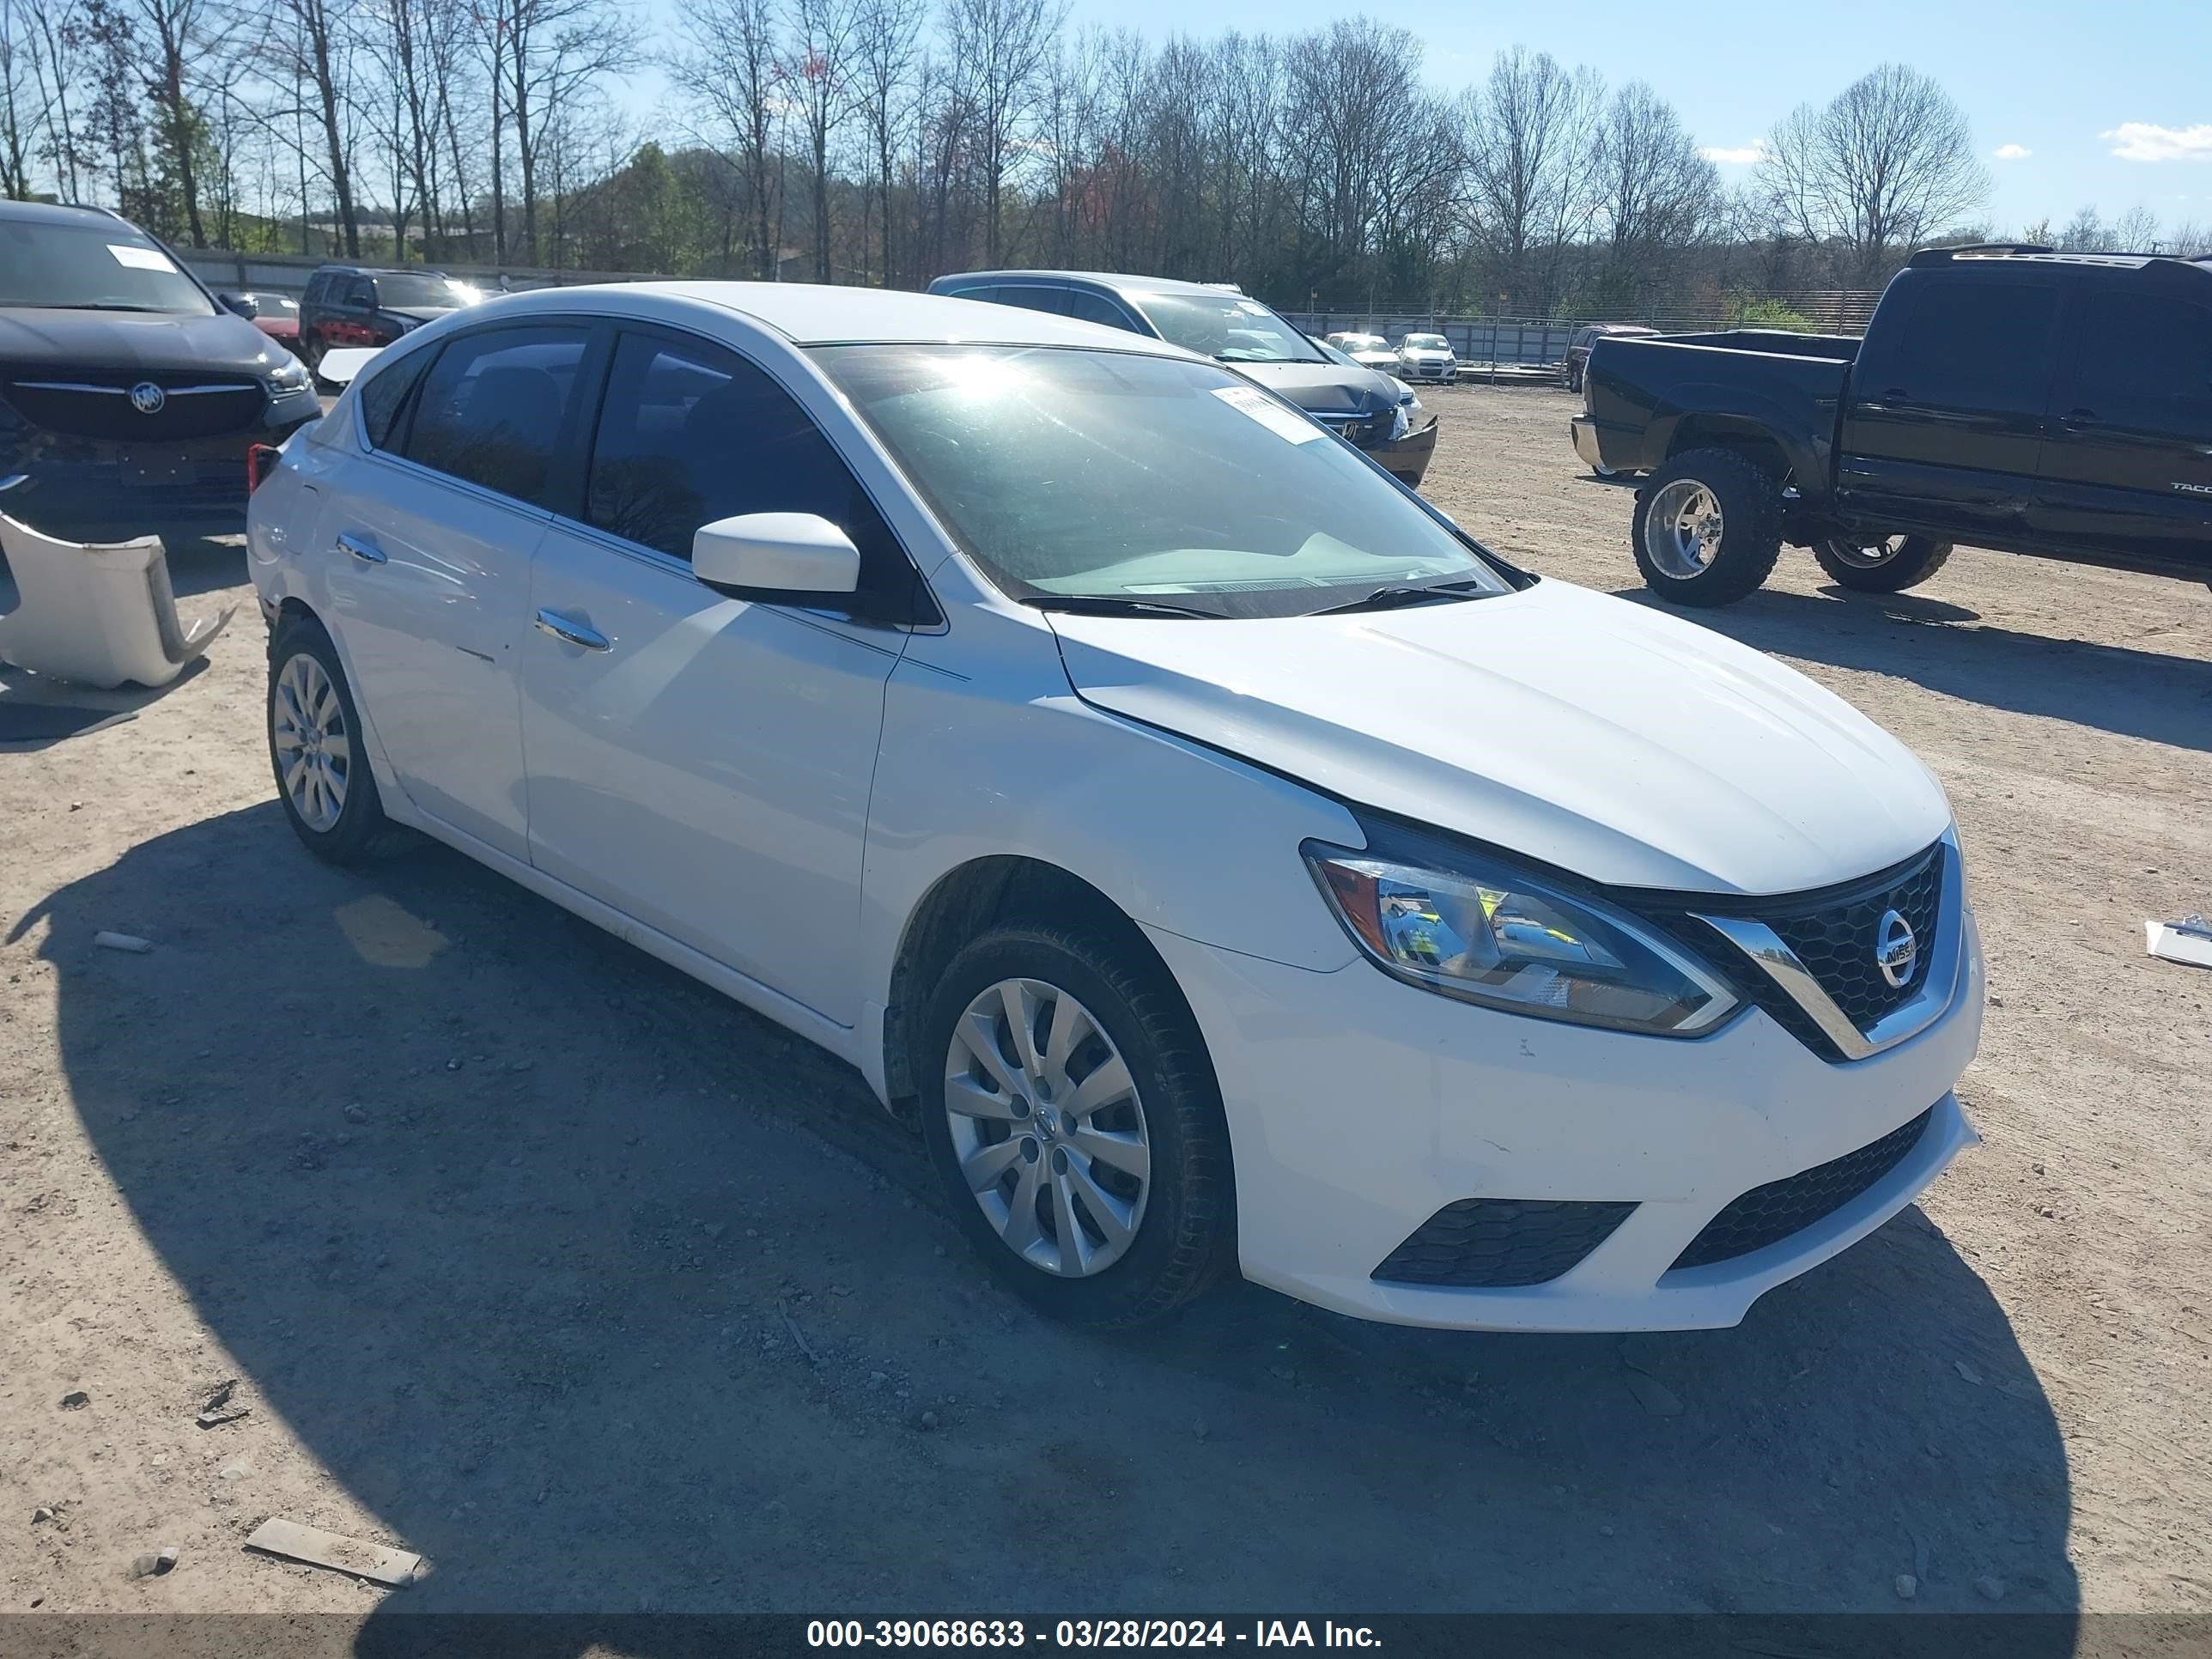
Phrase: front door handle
(367, 551)
(573, 633)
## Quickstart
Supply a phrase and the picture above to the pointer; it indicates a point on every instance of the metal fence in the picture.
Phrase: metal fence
(287, 273)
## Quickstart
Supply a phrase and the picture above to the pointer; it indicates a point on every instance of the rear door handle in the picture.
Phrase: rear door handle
(574, 633)
(2083, 417)
(362, 548)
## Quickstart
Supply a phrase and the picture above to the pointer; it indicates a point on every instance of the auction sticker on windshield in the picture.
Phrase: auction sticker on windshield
(140, 259)
(1250, 400)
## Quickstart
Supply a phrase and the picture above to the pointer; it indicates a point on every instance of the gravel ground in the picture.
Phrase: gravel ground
(604, 1295)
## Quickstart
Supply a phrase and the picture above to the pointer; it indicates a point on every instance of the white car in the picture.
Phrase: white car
(1368, 350)
(1426, 357)
(1219, 858)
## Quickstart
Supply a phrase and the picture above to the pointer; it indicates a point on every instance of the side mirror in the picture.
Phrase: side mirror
(239, 305)
(783, 553)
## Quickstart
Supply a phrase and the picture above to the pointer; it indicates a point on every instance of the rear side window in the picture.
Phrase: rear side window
(492, 407)
(690, 433)
(2145, 361)
(1981, 342)
(384, 397)
(359, 291)
(316, 284)
(1031, 297)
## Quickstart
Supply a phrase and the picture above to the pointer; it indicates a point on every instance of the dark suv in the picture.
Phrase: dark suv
(128, 397)
(1374, 412)
(355, 306)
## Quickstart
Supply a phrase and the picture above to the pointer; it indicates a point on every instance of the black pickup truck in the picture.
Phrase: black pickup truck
(2052, 403)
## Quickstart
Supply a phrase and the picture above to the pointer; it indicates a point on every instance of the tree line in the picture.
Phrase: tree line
(888, 141)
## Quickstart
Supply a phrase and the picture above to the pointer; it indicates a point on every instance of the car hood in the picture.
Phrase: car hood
(1324, 388)
(129, 339)
(420, 314)
(1427, 355)
(1625, 745)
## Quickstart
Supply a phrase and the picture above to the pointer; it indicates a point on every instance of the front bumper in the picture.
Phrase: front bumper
(1406, 458)
(107, 490)
(1428, 372)
(1360, 1107)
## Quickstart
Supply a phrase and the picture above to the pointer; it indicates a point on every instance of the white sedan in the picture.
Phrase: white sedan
(1222, 860)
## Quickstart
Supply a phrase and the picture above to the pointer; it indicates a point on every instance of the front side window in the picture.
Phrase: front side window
(2145, 361)
(357, 293)
(1226, 325)
(1127, 478)
(103, 266)
(1031, 297)
(1088, 307)
(492, 406)
(690, 433)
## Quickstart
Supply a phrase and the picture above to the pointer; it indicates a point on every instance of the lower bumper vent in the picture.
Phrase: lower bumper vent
(1767, 1215)
(1495, 1242)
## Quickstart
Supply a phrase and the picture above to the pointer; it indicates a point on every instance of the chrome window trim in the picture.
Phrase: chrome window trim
(1782, 966)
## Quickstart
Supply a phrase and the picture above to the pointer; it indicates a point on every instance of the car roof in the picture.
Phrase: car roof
(1120, 282)
(65, 213)
(2036, 253)
(808, 314)
(382, 271)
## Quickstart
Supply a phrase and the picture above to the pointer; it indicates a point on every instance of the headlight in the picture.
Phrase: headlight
(289, 377)
(1498, 937)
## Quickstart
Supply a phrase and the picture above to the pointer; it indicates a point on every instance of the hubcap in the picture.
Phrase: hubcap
(314, 755)
(1868, 556)
(1047, 1127)
(1682, 531)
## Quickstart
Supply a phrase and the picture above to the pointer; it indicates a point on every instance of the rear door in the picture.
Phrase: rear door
(2128, 468)
(1949, 397)
(429, 572)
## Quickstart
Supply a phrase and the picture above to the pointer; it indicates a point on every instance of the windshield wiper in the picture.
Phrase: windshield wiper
(1398, 594)
(96, 305)
(1113, 604)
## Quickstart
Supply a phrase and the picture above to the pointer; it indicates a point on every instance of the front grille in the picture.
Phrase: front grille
(96, 403)
(1767, 1215)
(1837, 945)
(1499, 1242)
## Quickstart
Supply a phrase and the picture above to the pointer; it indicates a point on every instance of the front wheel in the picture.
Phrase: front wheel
(1074, 1117)
(1708, 527)
(1888, 565)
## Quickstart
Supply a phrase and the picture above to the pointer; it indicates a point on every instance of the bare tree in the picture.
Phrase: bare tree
(1656, 193)
(886, 60)
(1530, 151)
(2136, 231)
(727, 64)
(306, 46)
(818, 68)
(17, 111)
(542, 50)
(1888, 163)
(1005, 45)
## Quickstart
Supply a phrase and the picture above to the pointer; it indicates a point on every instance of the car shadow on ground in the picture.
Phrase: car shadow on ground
(2150, 694)
(538, 1248)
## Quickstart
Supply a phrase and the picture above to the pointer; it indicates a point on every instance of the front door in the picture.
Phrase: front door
(1945, 421)
(430, 592)
(2128, 469)
(699, 761)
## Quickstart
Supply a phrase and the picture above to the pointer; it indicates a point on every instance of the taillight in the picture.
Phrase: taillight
(260, 461)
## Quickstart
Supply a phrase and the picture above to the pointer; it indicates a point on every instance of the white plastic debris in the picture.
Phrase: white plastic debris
(130, 942)
(2188, 941)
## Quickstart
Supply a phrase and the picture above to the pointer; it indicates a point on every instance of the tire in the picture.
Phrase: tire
(1708, 527)
(1901, 562)
(1178, 1216)
(332, 803)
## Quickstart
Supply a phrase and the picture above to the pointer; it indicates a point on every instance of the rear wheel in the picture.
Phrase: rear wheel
(1708, 527)
(316, 748)
(1887, 565)
(1074, 1117)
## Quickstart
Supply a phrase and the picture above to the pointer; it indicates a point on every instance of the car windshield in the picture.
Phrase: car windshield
(1361, 342)
(104, 265)
(1226, 326)
(1427, 343)
(1148, 483)
(410, 288)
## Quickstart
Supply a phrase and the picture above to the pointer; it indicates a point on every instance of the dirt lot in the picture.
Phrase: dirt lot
(605, 1295)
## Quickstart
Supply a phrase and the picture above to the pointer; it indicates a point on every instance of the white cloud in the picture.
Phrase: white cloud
(1738, 156)
(2012, 152)
(2141, 141)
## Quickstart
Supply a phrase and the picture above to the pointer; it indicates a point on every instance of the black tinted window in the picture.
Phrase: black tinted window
(2146, 360)
(1030, 297)
(384, 396)
(492, 406)
(690, 433)
(1086, 306)
(1981, 344)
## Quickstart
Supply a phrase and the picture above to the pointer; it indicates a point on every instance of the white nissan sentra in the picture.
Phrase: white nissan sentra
(1218, 856)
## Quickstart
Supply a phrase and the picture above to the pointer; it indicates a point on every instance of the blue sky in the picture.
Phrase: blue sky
(2057, 86)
